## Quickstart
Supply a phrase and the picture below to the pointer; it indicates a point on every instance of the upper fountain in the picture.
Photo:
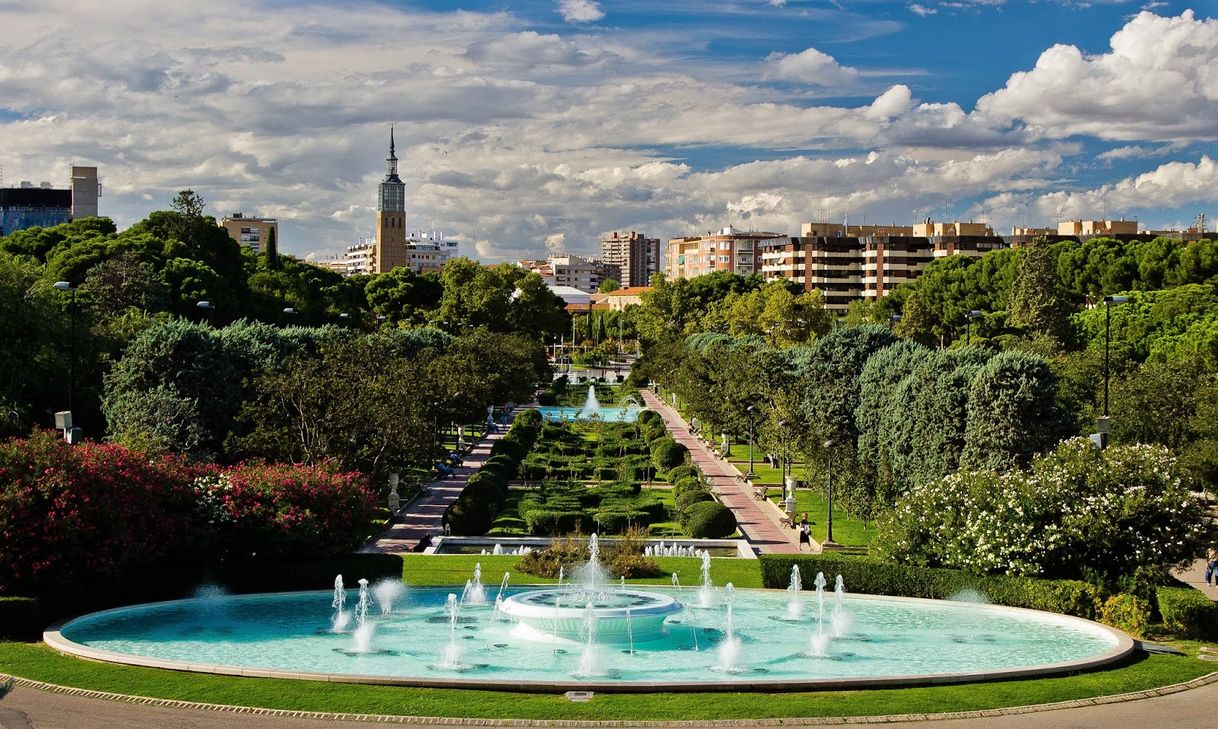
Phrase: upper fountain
(592, 407)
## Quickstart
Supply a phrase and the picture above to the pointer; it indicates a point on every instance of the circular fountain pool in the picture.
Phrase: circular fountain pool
(620, 615)
(766, 641)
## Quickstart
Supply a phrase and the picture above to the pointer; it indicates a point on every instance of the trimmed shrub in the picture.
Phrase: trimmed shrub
(685, 470)
(667, 454)
(1126, 612)
(616, 522)
(646, 417)
(874, 577)
(689, 497)
(509, 447)
(469, 517)
(709, 520)
(653, 508)
(529, 418)
(547, 398)
(548, 523)
(1187, 612)
(688, 483)
(483, 487)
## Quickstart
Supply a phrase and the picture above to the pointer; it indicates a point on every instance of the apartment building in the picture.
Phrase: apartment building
(250, 231)
(730, 250)
(831, 264)
(633, 256)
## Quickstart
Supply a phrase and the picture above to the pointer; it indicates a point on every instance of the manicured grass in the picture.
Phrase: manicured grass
(847, 530)
(38, 662)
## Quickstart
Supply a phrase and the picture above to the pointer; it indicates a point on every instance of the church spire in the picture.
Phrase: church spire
(391, 171)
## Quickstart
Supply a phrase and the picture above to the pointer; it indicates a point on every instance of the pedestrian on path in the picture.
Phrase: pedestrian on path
(1211, 565)
(805, 533)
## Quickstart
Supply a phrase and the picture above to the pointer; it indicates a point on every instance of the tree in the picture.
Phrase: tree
(188, 204)
(124, 282)
(878, 416)
(1037, 304)
(1013, 413)
(272, 250)
(609, 285)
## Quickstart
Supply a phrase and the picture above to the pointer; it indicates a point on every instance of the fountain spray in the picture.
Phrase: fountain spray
(340, 618)
(820, 641)
(794, 607)
(363, 628)
(705, 596)
(729, 649)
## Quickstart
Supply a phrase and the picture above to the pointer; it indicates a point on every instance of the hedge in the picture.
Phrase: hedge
(546, 523)
(709, 520)
(1187, 611)
(667, 454)
(470, 515)
(691, 496)
(646, 417)
(20, 618)
(480, 501)
(864, 575)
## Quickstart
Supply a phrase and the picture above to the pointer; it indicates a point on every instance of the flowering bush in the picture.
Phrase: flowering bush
(88, 510)
(102, 510)
(1077, 512)
(275, 509)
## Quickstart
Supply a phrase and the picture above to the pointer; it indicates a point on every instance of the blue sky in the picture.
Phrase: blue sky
(527, 126)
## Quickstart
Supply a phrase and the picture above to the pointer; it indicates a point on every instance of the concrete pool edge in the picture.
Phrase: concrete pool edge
(1125, 646)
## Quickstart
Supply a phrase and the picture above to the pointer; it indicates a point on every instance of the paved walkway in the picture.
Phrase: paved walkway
(424, 515)
(758, 520)
(1194, 576)
(29, 708)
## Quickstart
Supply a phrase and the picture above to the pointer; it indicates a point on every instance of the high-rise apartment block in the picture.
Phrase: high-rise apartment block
(728, 250)
(634, 256)
(577, 272)
(849, 263)
(251, 231)
(41, 206)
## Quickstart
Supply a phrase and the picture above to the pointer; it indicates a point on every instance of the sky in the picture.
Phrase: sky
(540, 125)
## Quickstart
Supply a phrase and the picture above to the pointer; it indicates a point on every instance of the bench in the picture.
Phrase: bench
(786, 522)
(759, 493)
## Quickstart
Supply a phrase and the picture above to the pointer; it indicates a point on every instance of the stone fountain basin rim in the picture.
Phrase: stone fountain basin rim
(1125, 646)
(517, 605)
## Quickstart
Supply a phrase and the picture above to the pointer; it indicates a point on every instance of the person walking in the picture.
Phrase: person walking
(805, 533)
(1211, 565)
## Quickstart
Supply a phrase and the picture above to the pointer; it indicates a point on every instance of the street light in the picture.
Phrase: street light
(1108, 302)
(205, 307)
(751, 410)
(65, 286)
(829, 520)
(968, 331)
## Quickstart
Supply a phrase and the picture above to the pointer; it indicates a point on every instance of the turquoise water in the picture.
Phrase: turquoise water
(880, 637)
(607, 414)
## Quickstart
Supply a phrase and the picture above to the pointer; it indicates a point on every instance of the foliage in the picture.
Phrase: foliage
(91, 509)
(1013, 413)
(709, 520)
(620, 557)
(1187, 611)
(1077, 513)
(1129, 613)
(667, 454)
(1037, 303)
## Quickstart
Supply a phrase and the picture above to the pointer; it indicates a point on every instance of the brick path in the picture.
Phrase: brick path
(758, 520)
(424, 515)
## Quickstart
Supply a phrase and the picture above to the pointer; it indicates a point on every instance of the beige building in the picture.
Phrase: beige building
(830, 264)
(633, 255)
(825, 229)
(86, 189)
(620, 299)
(251, 231)
(577, 272)
(1097, 227)
(730, 250)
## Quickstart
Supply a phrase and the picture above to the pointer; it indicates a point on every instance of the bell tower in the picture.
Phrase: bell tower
(391, 217)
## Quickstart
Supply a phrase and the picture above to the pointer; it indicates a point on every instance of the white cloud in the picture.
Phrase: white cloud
(1129, 152)
(1159, 82)
(922, 10)
(580, 11)
(810, 67)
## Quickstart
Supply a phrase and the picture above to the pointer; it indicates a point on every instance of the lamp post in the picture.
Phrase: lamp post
(968, 330)
(751, 413)
(893, 320)
(1108, 302)
(204, 308)
(65, 286)
(288, 313)
(829, 519)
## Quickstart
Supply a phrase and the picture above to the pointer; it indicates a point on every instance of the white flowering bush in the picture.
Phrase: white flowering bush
(1076, 512)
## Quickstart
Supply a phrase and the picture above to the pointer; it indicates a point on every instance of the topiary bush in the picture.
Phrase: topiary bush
(484, 487)
(691, 496)
(667, 454)
(611, 521)
(686, 484)
(549, 523)
(685, 470)
(469, 517)
(1187, 612)
(709, 520)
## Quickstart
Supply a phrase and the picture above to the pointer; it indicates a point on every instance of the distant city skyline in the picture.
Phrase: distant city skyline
(544, 124)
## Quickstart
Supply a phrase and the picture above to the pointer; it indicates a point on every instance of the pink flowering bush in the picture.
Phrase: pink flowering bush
(88, 510)
(272, 509)
(102, 510)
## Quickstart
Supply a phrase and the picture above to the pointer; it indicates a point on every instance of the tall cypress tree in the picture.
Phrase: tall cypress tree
(272, 250)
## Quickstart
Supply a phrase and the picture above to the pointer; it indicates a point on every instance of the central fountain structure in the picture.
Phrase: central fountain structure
(563, 613)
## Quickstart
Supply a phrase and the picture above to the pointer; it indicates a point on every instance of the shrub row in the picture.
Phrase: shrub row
(1184, 611)
(614, 508)
(482, 498)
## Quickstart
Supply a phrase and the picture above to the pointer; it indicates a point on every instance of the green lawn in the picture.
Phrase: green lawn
(38, 662)
(424, 570)
(847, 530)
